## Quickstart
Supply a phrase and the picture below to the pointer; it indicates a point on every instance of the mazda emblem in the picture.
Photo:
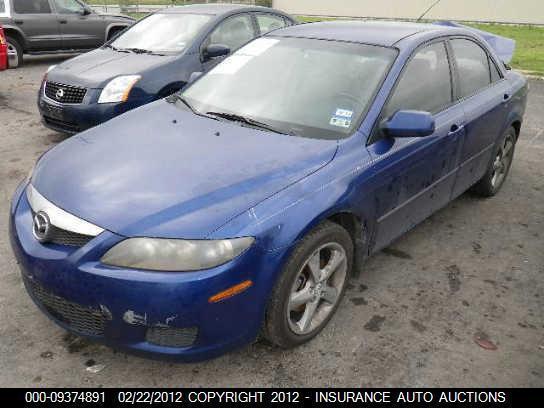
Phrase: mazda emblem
(60, 93)
(41, 227)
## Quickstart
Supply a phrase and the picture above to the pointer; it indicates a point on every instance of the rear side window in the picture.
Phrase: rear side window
(425, 84)
(269, 22)
(495, 74)
(31, 7)
(472, 65)
(233, 32)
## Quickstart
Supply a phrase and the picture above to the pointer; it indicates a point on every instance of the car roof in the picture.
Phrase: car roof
(215, 8)
(384, 33)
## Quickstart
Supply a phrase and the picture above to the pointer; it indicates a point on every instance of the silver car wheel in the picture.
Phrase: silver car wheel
(502, 162)
(13, 56)
(317, 288)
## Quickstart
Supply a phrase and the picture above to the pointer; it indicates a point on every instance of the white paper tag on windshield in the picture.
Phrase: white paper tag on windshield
(231, 65)
(344, 113)
(257, 47)
(340, 122)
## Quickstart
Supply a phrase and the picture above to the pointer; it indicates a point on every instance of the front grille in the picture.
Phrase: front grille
(61, 236)
(171, 336)
(81, 319)
(62, 125)
(64, 93)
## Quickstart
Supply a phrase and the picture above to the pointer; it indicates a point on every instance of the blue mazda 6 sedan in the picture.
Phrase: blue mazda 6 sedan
(241, 206)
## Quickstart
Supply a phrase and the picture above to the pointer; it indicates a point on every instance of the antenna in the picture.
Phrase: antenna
(429, 9)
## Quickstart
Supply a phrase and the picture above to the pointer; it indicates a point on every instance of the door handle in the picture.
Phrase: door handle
(19, 22)
(454, 129)
(63, 21)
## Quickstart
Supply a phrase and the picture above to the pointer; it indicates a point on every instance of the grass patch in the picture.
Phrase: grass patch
(529, 55)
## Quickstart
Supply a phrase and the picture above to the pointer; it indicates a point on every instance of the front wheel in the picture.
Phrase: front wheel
(310, 287)
(494, 178)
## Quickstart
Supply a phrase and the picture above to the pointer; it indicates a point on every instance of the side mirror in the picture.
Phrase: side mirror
(409, 123)
(85, 11)
(215, 50)
(194, 76)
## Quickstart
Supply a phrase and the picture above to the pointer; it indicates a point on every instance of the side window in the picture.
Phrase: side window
(68, 7)
(269, 22)
(472, 65)
(32, 7)
(425, 84)
(495, 74)
(233, 32)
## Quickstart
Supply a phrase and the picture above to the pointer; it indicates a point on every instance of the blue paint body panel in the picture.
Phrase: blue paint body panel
(161, 171)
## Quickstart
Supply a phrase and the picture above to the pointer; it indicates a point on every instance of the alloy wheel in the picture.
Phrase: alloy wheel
(13, 56)
(317, 288)
(502, 162)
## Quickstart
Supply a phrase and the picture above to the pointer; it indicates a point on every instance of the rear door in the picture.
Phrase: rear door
(79, 28)
(415, 175)
(483, 96)
(38, 23)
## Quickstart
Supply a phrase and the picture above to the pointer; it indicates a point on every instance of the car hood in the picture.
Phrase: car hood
(96, 68)
(160, 171)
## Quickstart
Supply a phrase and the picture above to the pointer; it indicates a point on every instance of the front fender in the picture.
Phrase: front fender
(285, 218)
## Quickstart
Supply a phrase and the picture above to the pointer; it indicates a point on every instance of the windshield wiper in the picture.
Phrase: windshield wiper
(141, 51)
(114, 48)
(249, 121)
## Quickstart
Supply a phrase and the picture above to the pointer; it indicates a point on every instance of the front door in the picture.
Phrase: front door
(233, 32)
(36, 19)
(414, 176)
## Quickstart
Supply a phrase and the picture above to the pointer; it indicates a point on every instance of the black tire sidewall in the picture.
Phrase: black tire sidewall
(276, 327)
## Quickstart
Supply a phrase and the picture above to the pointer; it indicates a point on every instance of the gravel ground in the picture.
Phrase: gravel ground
(473, 270)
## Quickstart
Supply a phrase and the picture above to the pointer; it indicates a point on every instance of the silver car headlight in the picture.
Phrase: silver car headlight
(175, 255)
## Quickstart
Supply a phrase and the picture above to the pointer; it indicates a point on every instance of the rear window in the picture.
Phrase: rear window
(32, 7)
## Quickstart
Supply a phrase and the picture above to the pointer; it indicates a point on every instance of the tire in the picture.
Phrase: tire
(287, 323)
(499, 166)
(15, 52)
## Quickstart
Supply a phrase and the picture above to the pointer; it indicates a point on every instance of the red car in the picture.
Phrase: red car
(3, 50)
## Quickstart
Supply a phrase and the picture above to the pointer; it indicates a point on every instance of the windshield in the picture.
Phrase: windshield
(162, 33)
(311, 88)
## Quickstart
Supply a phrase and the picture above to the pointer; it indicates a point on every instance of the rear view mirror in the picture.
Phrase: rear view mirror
(215, 50)
(409, 123)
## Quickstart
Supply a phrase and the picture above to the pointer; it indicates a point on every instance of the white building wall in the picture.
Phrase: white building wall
(510, 11)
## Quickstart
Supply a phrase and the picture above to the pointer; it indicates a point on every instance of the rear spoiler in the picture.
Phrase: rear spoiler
(503, 47)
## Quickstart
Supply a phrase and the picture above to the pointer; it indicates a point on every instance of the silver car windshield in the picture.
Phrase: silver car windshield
(305, 87)
(162, 33)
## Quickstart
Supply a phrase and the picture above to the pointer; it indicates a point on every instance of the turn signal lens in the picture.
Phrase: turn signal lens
(230, 292)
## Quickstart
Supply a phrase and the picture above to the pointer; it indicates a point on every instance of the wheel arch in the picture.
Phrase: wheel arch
(10, 31)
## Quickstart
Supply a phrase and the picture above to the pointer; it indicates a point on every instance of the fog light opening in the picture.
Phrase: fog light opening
(230, 292)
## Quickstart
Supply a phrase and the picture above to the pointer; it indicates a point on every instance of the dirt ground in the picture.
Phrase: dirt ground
(473, 270)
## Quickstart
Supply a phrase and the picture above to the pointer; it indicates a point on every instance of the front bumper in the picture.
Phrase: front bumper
(140, 311)
(74, 118)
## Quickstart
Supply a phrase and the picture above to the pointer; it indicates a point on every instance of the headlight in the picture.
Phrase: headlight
(117, 89)
(175, 255)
